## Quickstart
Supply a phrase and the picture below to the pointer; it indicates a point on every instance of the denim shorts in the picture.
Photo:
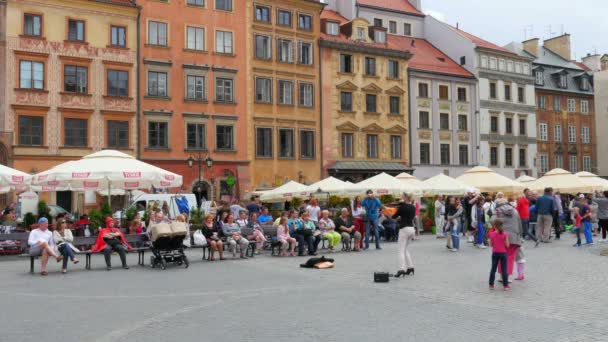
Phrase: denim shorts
(35, 250)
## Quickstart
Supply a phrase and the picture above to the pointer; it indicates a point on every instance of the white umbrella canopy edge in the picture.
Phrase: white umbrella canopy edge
(442, 184)
(285, 192)
(13, 179)
(561, 181)
(384, 184)
(599, 183)
(330, 185)
(488, 180)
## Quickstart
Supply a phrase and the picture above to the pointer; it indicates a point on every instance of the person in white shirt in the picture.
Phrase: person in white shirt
(314, 211)
(42, 244)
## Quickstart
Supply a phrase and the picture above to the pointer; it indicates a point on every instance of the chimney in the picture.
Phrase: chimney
(417, 4)
(531, 46)
(593, 62)
(560, 45)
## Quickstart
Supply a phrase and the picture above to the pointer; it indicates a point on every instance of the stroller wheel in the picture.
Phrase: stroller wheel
(163, 264)
(186, 262)
(152, 262)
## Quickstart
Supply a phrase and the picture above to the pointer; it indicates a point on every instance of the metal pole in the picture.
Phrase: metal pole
(200, 169)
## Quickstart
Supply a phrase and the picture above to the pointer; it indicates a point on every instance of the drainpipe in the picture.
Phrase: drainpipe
(409, 121)
(321, 111)
(138, 85)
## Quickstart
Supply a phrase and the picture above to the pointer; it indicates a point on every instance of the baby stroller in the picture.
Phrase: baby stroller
(167, 244)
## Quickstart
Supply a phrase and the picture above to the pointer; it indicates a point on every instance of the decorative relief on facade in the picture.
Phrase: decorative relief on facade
(31, 98)
(118, 104)
(445, 135)
(424, 134)
(463, 137)
(444, 105)
(424, 103)
(75, 100)
(462, 107)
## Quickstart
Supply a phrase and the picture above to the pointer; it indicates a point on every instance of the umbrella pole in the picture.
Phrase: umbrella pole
(110, 195)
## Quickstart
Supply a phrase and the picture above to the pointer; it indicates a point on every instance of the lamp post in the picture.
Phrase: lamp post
(199, 160)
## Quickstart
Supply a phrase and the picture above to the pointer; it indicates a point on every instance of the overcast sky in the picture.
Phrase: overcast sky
(504, 21)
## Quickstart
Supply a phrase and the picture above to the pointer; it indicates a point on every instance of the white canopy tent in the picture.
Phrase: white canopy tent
(525, 179)
(12, 179)
(561, 181)
(330, 185)
(384, 184)
(598, 183)
(408, 179)
(444, 185)
(285, 192)
(487, 180)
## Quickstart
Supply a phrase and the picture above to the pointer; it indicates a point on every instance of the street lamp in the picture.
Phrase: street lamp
(199, 159)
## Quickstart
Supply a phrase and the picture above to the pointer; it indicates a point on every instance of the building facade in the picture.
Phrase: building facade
(365, 100)
(283, 99)
(193, 89)
(70, 82)
(598, 65)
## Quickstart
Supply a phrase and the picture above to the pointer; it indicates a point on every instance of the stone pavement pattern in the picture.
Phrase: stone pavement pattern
(271, 299)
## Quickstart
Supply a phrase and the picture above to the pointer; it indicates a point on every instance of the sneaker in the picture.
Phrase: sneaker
(590, 244)
(507, 287)
(520, 278)
(482, 246)
(576, 245)
(454, 250)
(491, 287)
(536, 243)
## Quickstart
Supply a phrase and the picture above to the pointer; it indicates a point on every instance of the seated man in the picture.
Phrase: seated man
(42, 244)
(265, 217)
(346, 227)
(304, 232)
(111, 239)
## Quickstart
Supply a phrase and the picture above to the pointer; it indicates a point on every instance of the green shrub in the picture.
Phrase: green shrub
(96, 219)
(44, 211)
(387, 199)
(28, 220)
(196, 218)
(130, 213)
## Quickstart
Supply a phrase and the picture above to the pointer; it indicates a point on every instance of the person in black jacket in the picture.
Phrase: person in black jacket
(406, 213)
(212, 232)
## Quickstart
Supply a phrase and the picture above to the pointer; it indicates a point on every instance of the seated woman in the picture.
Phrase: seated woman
(136, 226)
(232, 231)
(63, 240)
(328, 229)
(111, 239)
(258, 233)
(304, 231)
(211, 232)
(285, 239)
(346, 226)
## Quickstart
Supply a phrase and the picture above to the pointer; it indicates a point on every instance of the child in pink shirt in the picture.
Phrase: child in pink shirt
(499, 240)
(284, 238)
(578, 224)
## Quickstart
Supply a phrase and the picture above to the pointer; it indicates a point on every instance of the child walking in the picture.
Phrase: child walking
(499, 241)
(578, 223)
(520, 260)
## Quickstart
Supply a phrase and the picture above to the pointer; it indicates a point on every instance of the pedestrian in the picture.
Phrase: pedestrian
(314, 211)
(328, 230)
(578, 222)
(586, 214)
(439, 217)
(520, 260)
(478, 217)
(523, 209)
(545, 207)
(602, 214)
(499, 240)
(371, 205)
(557, 214)
(406, 214)
(42, 244)
(284, 238)
(455, 220)
(358, 213)
(511, 225)
(253, 207)
(450, 209)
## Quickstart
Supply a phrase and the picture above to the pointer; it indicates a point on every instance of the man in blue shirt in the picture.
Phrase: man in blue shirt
(545, 207)
(371, 205)
(265, 218)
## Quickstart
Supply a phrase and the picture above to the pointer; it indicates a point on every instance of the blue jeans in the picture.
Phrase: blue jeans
(67, 253)
(525, 224)
(502, 258)
(481, 232)
(588, 232)
(455, 236)
(368, 223)
(578, 235)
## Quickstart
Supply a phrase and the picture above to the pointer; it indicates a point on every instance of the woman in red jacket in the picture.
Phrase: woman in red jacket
(111, 239)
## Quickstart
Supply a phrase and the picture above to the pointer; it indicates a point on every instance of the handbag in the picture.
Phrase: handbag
(199, 238)
(187, 241)
(381, 277)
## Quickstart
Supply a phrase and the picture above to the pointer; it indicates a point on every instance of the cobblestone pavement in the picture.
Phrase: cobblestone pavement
(271, 299)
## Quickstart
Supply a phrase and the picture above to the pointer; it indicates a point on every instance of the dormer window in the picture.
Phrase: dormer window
(380, 37)
(563, 81)
(585, 83)
(540, 80)
(360, 33)
(332, 28)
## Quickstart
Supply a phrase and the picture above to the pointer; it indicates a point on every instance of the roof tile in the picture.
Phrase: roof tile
(394, 5)
(481, 42)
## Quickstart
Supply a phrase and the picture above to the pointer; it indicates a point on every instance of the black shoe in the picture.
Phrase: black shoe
(400, 273)
(300, 254)
(312, 254)
(109, 268)
(125, 267)
(409, 271)
(378, 248)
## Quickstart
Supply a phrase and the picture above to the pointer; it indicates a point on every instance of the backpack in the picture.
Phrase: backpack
(312, 262)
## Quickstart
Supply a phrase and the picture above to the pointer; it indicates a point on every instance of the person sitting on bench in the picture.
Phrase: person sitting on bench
(42, 244)
(111, 239)
(346, 227)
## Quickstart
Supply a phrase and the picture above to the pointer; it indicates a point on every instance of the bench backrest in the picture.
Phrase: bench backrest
(15, 237)
(79, 241)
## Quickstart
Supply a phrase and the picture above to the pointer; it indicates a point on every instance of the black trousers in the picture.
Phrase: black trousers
(604, 226)
(557, 224)
(118, 248)
(502, 258)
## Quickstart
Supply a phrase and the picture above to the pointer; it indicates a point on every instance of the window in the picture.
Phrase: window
(462, 123)
(445, 154)
(493, 91)
(523, 158)
(521, 95)
(196, 136)
(196, 88)
(346, 101)
(392, 27)
(557, 134)
(263, 46)
(75, 79)
(196, 2)
(380, 37)
(372, 146)
(424, 120)
(563, 81)
(31, 75)
(360, 33)
(541, 102)
(587, 163)
(305, 53)
(494, 156)
(492, 63)
(118, 134)
(543, 132)
(119, 36)
(444, 121)
(484, 61)
(585, 83)
(75, 132)
(423, 90)
(526, 69)
(509, 156)
(509, 125)
(263, 90)
(224, 137)
(559, 161)
(463, 154)
(195, 38)
(425, 153)
(347, 145)
(370, 103)
(157, 33)
(523, 127)
(284, 18)
(285, 51)
(158, 134)
(306, 94)
(557, 103)
(307, 144)
(539, 77)
(305, 22)
(584, 106)
(572, 134)
(285, 92)
(32, 25)
(443, 92)
(585, 136)
(223, 42)
(501, 64)
(407, 29)
(573, 164)
(394, 104)
(370, 66)
(224, 91)
(332, 28)
(262, 13)
(393, 69)
(395, 147)
(157, 83)
(286, 143)
(494, 124)
(508, 92)
(263, 146)
(571, 105)
(518, 68)
(378, 22)
(118, 83)
(510, 66)
(224, 5)
(76, 30)
(544, 163)
(31, 130)
(462, 94)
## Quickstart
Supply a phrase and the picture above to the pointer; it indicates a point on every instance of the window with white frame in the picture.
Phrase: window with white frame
(563, 81)
(541, 102)
(157, 84)
(332, 28)
(585, 83)
(587, 164)
(544, 163)
(307, 144)
(573, 164)
(501, 64)
(196, 136)
(509, 66)
(195, 38)
(585, 106)
(557, 103)
(31, 75)
(559, 161)
(263, 47)
(285, 51)
(407, 29)
(585, 135)
(380, 37)
(539, 77)
(305, 94)
(558, 133)
(305, 53)
(543, 132)
(493, 64)
(263, 90)
(196, 88)
(571, 105)
(392, 27)
(223, 42)
(224, 90)
(286, 143)
(572, 134)
(484, 62)
(285, 92)
(518, 68)
(526, 69)
(263, 145)
(347, 145)
(372, 146)
(157, 33)
(396, 147)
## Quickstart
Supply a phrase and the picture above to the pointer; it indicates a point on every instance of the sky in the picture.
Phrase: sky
(502, 22)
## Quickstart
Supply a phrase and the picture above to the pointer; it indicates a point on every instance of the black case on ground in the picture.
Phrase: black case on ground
(381, 277)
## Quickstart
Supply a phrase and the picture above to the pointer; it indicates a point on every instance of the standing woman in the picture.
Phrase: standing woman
(406, 214)
(63, 240)
(455, 219)
(357, 211)
(439, 215)
(450, 209)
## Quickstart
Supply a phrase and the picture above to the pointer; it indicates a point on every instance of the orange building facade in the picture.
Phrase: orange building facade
(192, 76)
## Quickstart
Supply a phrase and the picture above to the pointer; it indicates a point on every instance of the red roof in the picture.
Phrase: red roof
(393, 5)
(427, 57)
(342, 38)
(128, 3)
(482, 43)
(582, 65)
(333, 16)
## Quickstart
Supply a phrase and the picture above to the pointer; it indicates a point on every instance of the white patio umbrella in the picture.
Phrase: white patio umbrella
(598, 183)
(105, 171)
(407, 179)
(444, 185)
(12, 179)
(285, 192)
(384, 184)
(561, 181)
(487, 180)
(330, 185)
(525, 179)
